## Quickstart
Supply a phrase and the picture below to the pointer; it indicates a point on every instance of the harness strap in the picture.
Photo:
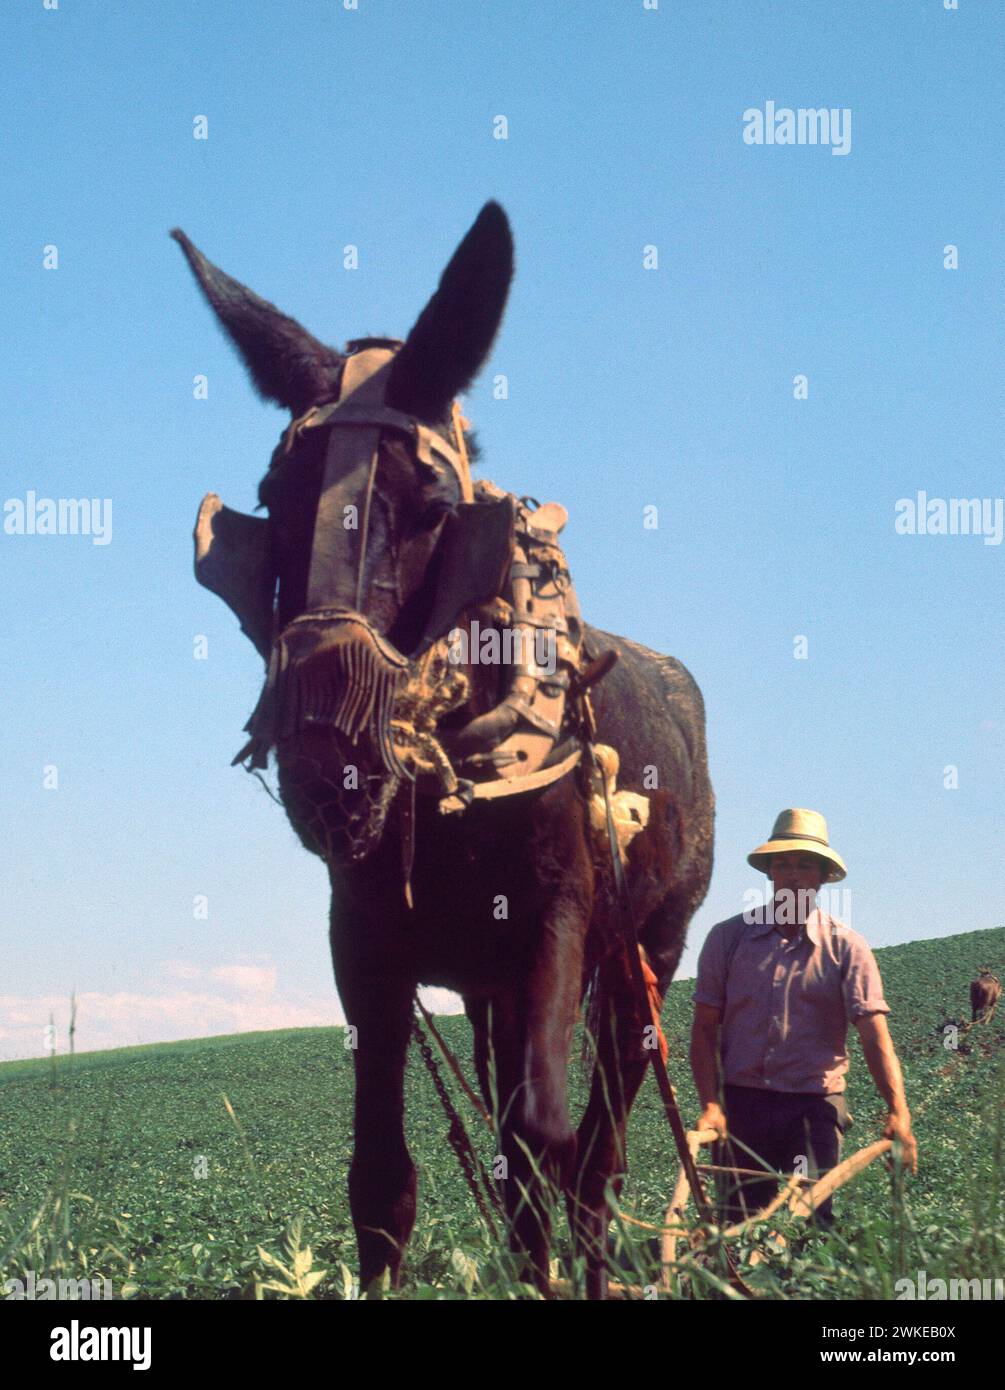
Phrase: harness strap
(350, 464)
(363, 414)
(460, 424)
(492, 791)
(406, 823)
(533, 717)
(551, 623)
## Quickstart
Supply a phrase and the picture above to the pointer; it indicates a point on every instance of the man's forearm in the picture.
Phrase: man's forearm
(705, 1064)
(883, 1063)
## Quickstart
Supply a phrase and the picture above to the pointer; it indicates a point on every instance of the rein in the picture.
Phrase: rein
(630, 941)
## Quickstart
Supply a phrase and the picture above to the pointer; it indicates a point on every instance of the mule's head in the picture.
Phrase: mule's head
(365, 498)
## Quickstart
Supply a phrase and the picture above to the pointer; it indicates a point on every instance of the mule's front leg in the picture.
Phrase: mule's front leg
(382, 1183)
(538, 1141)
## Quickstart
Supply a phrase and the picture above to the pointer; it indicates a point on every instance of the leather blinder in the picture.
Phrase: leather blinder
(472, 558)
(233, 560)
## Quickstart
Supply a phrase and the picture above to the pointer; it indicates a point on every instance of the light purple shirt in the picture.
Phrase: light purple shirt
(787, 1003)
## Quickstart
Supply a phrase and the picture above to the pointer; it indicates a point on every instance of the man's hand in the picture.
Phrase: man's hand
(713, 1118)
(881, 1060)
(898, 1128)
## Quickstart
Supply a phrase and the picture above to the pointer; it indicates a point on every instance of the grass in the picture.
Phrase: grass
(216, 1168)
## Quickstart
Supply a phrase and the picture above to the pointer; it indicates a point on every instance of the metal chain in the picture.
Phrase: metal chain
(457, 1137)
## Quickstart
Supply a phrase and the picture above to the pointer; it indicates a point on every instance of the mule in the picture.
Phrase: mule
(522, 971)
(985, 991)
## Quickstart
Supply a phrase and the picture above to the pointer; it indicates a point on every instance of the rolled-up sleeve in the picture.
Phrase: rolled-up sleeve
(861, 981)
(710, 985)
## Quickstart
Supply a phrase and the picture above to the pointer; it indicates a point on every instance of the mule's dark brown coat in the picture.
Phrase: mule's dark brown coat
(513, 905)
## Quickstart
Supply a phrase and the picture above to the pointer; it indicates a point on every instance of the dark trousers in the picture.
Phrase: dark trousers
(781, 1128)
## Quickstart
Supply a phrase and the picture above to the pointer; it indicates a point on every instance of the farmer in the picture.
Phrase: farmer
(776, 988)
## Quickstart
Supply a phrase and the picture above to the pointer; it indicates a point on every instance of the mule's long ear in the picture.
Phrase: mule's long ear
(286, 363)
(454, 332)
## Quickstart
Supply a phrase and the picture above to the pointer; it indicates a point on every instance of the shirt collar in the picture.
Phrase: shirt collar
(812, 927)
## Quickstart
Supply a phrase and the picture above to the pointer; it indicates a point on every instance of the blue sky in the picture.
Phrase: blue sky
(628, 388)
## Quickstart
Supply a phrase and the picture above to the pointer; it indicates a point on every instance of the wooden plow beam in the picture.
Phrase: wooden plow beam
(802, 1194)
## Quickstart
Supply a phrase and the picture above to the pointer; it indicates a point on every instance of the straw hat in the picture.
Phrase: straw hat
(799, 830)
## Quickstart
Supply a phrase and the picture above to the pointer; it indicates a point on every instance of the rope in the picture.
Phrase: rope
(265, 784)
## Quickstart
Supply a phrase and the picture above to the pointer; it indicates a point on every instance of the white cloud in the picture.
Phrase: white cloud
(209, 1000)
(181, 969)
(247, 979)
(205, 1001)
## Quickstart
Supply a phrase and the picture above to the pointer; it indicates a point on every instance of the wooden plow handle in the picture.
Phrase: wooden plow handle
(803, 1203)
(695, 1139)
(675, 1211)
(802, 1195)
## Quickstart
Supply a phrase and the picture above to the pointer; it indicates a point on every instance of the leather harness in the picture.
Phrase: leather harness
(515, 743)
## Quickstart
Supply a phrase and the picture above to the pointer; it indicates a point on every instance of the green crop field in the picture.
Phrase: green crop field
(217, 1168)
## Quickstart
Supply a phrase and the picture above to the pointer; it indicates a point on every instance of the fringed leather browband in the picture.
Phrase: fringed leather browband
(356, 694)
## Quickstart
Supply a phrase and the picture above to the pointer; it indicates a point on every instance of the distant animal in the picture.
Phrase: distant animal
(985, 992)
(343, 615)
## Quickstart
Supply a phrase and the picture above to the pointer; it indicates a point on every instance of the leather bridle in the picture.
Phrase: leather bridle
(366, 671)
(356, 422)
